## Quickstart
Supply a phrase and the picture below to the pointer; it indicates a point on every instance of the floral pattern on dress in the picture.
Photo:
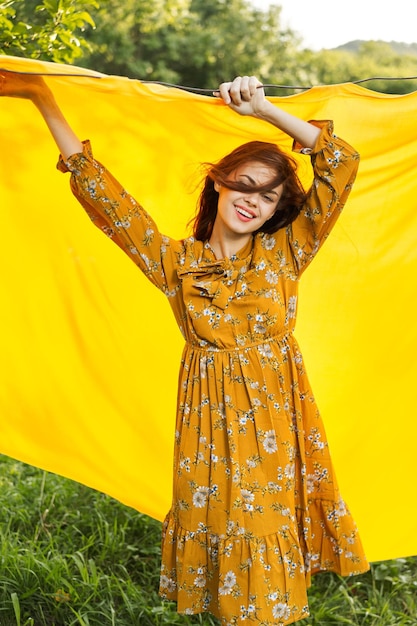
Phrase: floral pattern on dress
(256, 508)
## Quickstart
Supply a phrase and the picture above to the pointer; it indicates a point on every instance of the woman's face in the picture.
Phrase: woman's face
(244, 212)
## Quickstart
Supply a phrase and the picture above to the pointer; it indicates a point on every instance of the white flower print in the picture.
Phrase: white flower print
(292, 307)
(290, 470)
(200, 497)
(228, 584)
(92, 186)
(167, 583)
(122, 224)
(265, 350)
(214, 489)
(248, 496)
(341, 508)
(225, 591)
(199, 581)
(271, 277)
(145, 259)
(273, 487)
(229, 579)
(247, 612)
(281, 611)
(270, 443)
(163, 581)
(335, 161)
(185, 463)
(310, 483)
(268, 243)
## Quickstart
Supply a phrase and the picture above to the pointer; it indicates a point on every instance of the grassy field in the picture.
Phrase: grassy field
(72, 556)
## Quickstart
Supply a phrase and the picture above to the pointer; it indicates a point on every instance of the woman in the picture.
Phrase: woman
(256, 508)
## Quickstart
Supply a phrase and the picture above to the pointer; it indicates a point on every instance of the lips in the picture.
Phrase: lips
(245, 213)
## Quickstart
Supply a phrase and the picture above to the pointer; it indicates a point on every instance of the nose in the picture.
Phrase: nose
(251, 197)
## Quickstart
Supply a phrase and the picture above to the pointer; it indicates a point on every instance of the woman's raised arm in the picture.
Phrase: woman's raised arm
(246, 96)
(34, 88)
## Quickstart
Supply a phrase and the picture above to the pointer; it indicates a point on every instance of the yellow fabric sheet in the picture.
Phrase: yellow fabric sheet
(89, 351)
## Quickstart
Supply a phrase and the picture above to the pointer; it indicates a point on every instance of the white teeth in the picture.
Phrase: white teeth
(244, 213)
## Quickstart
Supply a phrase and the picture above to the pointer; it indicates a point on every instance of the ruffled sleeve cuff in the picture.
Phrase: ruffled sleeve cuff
(75, 162)
(323, 139)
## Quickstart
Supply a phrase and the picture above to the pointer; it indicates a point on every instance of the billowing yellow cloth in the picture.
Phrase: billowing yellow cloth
(90, 350)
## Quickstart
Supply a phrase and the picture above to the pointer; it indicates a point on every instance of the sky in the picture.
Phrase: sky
(331, 23)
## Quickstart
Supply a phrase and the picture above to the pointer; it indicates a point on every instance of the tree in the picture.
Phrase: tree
(51, 30)
(197, 43)
(361, 60)
(193, 42)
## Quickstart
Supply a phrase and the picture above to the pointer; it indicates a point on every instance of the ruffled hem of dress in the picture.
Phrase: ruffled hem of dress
(242, 576)
(235, 577)
(330, 540)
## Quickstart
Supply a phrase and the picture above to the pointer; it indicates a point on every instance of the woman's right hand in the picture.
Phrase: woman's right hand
(16, 85)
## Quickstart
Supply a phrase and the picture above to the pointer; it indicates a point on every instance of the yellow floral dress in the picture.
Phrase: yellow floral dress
(256, 508)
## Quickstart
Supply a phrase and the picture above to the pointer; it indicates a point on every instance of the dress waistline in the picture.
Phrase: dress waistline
(284, 336)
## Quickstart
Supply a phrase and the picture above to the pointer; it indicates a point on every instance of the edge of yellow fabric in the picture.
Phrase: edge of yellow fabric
(89, 350)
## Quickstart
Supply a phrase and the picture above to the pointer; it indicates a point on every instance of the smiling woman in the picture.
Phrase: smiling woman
(261, 173)
(256, 508)
(241, 213)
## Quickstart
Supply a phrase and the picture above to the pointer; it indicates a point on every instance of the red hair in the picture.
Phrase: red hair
(285, 167)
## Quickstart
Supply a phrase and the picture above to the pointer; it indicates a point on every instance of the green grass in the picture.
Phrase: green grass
(72, 556)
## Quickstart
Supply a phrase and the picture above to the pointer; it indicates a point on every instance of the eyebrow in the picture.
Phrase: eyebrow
(254, 183)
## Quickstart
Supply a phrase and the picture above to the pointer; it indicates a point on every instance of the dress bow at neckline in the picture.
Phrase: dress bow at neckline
(215, 280)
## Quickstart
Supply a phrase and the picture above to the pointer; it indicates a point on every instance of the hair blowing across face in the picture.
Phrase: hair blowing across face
(284, 166)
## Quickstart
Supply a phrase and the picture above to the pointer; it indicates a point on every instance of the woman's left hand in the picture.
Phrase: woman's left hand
(244, 95)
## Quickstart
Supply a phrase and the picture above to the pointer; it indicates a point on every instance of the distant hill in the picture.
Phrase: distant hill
(396, 46)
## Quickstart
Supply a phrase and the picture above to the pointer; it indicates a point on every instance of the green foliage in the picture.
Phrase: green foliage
(364, 59)
(70, 556)
(51, 30)
(193, 42)
(197, 43)
(200, 43)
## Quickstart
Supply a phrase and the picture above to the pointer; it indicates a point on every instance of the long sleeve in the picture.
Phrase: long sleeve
(335, 164)
(122, 218)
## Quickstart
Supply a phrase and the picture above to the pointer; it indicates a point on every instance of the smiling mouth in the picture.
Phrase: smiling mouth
(245, 213)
